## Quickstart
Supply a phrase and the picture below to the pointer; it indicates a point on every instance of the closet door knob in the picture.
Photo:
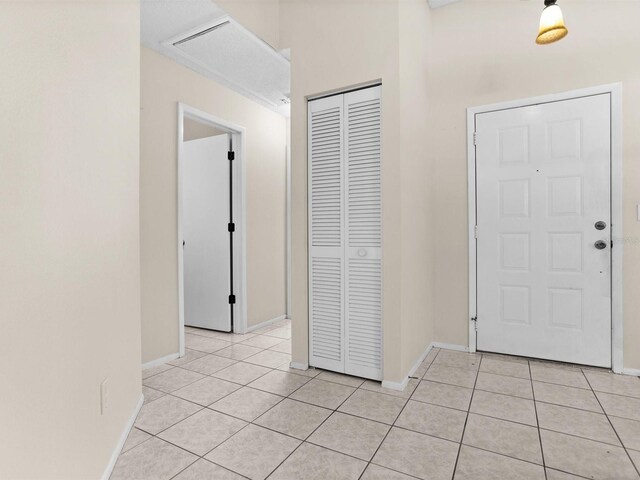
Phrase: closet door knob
(362, 252)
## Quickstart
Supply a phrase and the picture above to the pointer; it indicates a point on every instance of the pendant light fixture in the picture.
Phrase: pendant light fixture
(552, 26)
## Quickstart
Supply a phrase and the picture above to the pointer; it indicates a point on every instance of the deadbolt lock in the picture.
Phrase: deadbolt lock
(600, 225)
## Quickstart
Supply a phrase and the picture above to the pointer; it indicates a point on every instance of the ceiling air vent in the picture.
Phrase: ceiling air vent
(236, 57)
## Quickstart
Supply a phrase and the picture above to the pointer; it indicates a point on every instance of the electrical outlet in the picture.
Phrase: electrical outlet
(104, 396)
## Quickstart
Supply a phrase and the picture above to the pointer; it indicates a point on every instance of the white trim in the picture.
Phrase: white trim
(299, 366)
(123, 439)
(161, 361)
(403, 384)
(399, 386)
(288, 221)
(265, 323)
(635, 372)
(239, 212)
(617, 319)
(451, 346)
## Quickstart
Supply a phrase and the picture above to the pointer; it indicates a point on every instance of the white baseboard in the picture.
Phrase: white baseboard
(631, 371)
(160, 361)
(123, 438)
(265, 323)
(402, 385)
(450, 346)
(299, 366)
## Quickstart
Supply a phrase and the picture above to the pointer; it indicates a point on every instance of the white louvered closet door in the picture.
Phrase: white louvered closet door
(363, 228)
(345, 234)
(326, 239)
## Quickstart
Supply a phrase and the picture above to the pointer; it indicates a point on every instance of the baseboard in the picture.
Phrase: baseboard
(266, 323)
(631, 371)
(123, 438)
(299, 366)
(402, 385)
(450, 346)
(160, 361)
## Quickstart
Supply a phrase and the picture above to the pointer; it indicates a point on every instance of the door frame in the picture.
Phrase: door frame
(239, 212)
(615, 92)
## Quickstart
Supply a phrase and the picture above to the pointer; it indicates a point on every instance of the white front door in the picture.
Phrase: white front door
(544, 231)
(207, 254)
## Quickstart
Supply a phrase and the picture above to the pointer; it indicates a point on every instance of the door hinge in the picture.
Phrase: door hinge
(475, 231)
(231, 155)
(475, 138)
(232, 299)
(231, 227)
(611, 243)
(475, 322)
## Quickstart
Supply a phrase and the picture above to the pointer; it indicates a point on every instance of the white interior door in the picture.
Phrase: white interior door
(207, 269)
(543, 263)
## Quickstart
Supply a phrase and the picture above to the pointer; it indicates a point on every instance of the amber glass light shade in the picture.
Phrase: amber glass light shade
(552, 26)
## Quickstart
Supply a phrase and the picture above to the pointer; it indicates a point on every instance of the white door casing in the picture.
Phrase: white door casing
(205, 219)
(345, 269)
(542, 182)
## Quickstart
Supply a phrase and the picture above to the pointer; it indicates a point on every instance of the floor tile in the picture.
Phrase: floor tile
(246, 403)
(152, 460)
(205, 470)
(253, 452)
(310, 462)
(242, 373)
(238, 351)
(517, 387)
(204, 344)
(281, 332)
(284, 347)
(463, 377)
(172, 380)
(209, 364)
(376, 472)
(135, 438)
(269, 358)
(280, 383)
(324, 394)
(433, 420)
(506, 438)
(373, 406)
(444, 395)
(164, 412)
(149, 372)
(567, 396)
(309, 372)
(151, 394)
(591, 425)
(628, 430)
(505, 407)
(635, 457)
(450, 358)
(341, 379)
(202, 431)
(587, 458)
(620, 406)
(612, 383)
(206, 391)
(561, 376)
(202, 332)
(475, 464)
(557, 475)
(293, 418)
(419, 455)
(262, 341)
(505, 367)
(351, 435)
(189, 356)
(377, 387)
(235, 337)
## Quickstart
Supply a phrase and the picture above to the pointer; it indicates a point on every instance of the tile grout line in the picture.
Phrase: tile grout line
(535, 409)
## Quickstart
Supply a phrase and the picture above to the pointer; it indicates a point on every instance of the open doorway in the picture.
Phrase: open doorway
(211, 226)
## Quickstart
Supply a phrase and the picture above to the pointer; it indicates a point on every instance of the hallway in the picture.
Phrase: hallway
(232, 409)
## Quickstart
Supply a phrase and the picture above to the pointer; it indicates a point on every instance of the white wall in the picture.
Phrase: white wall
(164, 83)
(69, 234)
(481, 58)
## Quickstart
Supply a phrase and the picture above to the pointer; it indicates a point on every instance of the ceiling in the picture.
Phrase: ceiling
(200, 35)
(440, 3)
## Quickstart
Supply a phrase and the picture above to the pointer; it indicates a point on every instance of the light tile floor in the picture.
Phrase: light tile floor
(232, 409)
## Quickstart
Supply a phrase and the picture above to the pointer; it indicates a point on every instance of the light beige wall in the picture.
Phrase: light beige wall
(262, 17)
(164, 83)
(361, 42)
(69, 262)
(485, 53)
(193, 130)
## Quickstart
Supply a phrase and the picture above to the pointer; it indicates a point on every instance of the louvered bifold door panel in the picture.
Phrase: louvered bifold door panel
(363, 228)
(326, 238)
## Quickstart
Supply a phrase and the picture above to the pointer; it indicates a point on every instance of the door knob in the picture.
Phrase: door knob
(600, 225)
(362, 252)
(600, 244)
